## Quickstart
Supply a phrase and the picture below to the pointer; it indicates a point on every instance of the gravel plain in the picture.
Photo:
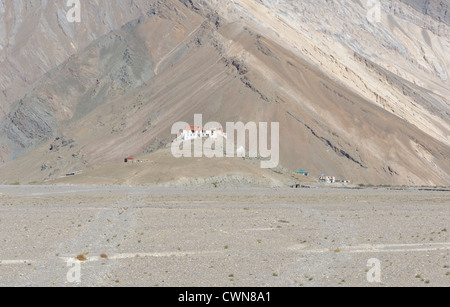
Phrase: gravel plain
(183, 237)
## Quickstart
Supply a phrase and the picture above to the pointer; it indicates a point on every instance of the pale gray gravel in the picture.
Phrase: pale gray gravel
(223, 237)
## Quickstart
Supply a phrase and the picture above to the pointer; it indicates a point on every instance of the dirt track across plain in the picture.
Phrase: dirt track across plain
(143, 236)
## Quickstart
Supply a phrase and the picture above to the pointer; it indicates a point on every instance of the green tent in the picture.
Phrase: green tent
(303, 172)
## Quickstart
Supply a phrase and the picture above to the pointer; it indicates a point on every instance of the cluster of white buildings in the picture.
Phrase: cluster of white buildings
(327, 179)
(194, 132)
(331, 179)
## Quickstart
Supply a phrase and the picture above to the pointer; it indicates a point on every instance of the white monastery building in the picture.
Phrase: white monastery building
(194, 132)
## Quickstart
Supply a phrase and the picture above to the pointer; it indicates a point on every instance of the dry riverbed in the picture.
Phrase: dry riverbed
(144, 236)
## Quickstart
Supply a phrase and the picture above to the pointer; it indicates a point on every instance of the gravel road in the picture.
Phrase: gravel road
(145, 236)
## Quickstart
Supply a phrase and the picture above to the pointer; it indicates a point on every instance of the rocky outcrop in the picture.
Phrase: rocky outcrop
(436, 9)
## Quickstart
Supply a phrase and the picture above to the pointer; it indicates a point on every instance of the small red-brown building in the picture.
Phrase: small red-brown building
(130, 158)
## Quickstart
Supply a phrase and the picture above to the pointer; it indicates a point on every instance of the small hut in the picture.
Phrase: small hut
(130, 158)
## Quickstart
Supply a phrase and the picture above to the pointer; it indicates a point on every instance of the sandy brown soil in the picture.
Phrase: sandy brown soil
(223, 237)
(162, 169)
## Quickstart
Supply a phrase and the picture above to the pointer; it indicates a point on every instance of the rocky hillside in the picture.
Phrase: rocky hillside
(364, 101)
(36, 36)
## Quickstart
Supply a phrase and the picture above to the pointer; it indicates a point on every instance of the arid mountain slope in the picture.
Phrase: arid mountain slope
(36, 36)
(355, 100)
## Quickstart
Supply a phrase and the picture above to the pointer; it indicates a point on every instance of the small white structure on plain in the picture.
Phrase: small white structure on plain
(194, 132)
